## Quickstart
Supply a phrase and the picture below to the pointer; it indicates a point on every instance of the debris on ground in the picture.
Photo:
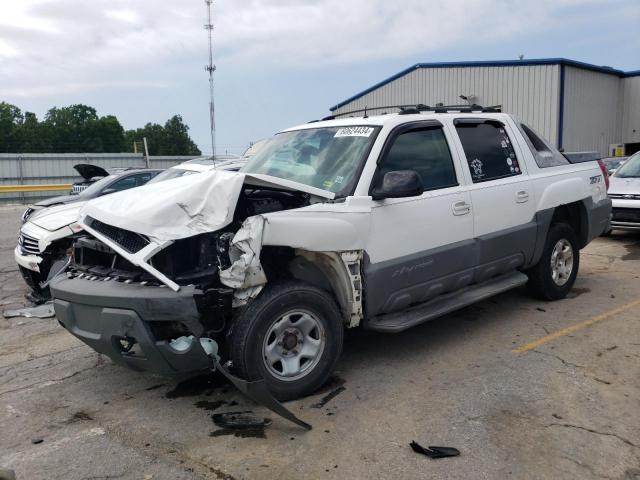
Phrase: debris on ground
(434, 452)
(240, 424)
(6, 474)
(240, 420)
(41, 311)
(328, 397)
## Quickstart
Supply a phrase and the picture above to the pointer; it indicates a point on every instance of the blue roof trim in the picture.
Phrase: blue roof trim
(491, 63)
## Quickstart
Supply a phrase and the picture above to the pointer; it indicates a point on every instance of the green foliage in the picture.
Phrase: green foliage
(172, 139)
(79, 129)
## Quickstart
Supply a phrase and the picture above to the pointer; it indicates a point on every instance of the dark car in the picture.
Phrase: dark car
(114, 181)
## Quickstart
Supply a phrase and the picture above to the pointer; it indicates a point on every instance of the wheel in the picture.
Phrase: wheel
(291, 335)
(554, 275)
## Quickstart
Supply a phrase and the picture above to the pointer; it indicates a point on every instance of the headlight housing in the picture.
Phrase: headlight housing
(27, 213)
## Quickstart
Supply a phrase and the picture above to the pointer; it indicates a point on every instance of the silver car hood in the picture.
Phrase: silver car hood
(621, 185)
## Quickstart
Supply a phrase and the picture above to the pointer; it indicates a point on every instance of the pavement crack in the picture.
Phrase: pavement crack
(591, 430)
(564, 362)
(57, 380)
(587, 467)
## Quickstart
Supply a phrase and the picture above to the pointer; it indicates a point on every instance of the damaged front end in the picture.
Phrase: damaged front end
(147, 303)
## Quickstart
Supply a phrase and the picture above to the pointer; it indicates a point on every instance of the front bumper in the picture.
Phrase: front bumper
(625, 215)
(30, 262)
(102, 314)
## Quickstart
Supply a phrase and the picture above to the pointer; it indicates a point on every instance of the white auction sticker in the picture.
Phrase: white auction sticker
(354, 132)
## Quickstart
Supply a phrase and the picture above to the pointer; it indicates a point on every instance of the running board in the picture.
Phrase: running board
(400, 321)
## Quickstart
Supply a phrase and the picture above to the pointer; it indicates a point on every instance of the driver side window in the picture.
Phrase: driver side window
(424, 150)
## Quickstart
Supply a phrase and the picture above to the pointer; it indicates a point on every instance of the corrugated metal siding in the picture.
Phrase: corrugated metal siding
(631, 110)
(529, 92)
(34, 169)
(592, 110)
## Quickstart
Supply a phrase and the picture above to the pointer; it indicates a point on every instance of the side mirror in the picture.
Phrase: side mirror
(399, 184)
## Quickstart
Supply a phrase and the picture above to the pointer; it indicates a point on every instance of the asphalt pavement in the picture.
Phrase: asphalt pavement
(524, 389)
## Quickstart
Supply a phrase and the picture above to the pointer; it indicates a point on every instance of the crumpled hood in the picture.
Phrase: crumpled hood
(184, 206)
(54, 218)
(621, 185)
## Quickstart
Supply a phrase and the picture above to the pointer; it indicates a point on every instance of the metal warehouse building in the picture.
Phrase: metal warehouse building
(575, 105)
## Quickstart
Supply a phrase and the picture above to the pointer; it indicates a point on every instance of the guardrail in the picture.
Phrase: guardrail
(35, 188)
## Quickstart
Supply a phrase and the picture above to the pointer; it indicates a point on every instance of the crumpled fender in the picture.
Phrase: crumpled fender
(245, 275)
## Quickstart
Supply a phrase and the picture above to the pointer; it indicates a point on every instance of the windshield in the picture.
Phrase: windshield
(96, 187)
(171, 173)
(327, 158)
(630, 168)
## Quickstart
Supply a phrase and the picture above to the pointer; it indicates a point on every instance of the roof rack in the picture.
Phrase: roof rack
(419, 108)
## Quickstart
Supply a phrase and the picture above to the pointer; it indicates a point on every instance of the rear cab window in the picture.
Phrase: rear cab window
(489, 151)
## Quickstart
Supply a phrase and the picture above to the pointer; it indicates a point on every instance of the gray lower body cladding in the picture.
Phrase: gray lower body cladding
(397, 284)
(599, 218)
(102, 314)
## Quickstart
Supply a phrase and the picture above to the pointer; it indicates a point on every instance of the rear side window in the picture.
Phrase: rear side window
(488, 149)
(544, 155)
(426, 151)
(536, 142)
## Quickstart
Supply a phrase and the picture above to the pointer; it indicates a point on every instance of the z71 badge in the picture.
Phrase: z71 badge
(596, 179)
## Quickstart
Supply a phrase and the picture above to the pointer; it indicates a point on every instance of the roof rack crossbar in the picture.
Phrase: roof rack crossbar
(419, 108)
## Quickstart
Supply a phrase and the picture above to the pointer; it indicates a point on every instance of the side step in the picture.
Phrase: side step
(400, 321)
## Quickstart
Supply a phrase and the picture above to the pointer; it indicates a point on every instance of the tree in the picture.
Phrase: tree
(10, 121)
(79, 129)
(172, 139)
(71, 129)
(35, 136)
(176, 138)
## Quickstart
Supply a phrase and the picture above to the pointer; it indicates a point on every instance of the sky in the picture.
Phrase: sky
(279, 62)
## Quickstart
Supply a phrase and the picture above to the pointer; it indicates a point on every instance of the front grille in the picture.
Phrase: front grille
(626, 196)
(78, 188)
(28, 245)
(626, 214)
(132, 242)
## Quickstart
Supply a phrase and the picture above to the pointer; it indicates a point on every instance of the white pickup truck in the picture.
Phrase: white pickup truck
(382, 222)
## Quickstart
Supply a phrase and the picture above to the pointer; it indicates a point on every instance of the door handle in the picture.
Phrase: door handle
(461, 208)
(522, 196)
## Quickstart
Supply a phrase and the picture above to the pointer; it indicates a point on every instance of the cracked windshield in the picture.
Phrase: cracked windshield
(326, 158)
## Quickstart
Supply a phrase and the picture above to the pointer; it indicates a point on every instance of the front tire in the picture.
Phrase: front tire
(555, 273)
(291, 335)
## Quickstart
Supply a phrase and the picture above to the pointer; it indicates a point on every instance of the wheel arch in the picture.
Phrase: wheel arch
(335, 272)
(574, 214)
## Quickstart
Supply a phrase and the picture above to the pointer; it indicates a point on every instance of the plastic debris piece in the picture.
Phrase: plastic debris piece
(434, 452)
(240, 420)
(41, 311)
(258, 392)
(328, 397)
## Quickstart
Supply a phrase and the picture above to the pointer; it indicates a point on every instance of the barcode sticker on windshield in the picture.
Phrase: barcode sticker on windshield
(354, 132)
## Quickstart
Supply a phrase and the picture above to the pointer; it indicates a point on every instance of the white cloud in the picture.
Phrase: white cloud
(63, 43)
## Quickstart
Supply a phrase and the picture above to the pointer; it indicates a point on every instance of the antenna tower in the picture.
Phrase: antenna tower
(211, 68)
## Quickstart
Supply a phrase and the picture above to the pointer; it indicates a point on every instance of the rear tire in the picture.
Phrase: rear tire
(291, 335)
(555, 273)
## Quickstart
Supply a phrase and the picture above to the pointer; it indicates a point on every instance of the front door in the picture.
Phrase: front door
(423, 246)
